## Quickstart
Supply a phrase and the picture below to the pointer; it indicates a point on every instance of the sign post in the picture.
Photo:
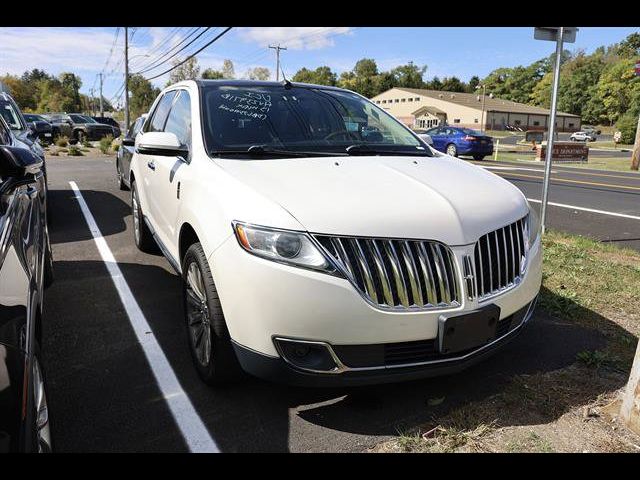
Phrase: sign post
(635, 157)
(559, 35)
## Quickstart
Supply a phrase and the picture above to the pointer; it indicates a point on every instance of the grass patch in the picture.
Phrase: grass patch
(74, 151)
(596, 163)
(586, 283)
(61, 141)
(105, 144)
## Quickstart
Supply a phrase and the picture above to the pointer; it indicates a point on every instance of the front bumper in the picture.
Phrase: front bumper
(262, 299)
(279, 370)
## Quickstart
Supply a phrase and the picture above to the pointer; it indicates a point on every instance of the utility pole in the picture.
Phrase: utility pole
(126, 79)
(92, 101)
(277, 48)
(101, 106)
(484, 92)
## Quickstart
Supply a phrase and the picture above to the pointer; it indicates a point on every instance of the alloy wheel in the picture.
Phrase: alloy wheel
(198, 317)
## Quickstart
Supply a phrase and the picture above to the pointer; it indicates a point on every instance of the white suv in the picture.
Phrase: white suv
(320, 242)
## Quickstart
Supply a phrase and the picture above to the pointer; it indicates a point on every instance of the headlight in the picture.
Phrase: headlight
(284, 246)
(533, 226)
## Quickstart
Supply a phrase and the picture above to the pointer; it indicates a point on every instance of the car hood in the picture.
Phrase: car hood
(438, 198)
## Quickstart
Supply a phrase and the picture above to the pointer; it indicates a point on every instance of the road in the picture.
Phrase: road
(102, 391)
(617, 193)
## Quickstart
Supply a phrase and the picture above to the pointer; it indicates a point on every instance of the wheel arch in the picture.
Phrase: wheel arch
(186, 238)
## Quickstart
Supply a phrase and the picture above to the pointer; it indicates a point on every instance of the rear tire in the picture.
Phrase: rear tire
(452, 150)
(209, 340)
(478, 157)
(141, 234)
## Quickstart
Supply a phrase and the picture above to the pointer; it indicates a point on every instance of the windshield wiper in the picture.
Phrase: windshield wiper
(364, 149)
(264, 150)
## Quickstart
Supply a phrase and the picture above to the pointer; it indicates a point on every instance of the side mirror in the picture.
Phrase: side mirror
(128, 142)
(164, 144)
(17, 162)
(32, 133)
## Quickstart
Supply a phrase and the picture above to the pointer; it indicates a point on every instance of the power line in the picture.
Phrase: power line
(193, 54)
(161, 55)
(158, 63)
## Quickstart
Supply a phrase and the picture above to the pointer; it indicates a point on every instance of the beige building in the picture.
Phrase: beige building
(418, 108)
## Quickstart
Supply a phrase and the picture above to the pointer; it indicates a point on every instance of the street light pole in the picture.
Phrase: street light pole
(101, 105)
(484, 93)
(552, 129)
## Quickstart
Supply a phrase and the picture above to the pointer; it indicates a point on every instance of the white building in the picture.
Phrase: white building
(419, 108)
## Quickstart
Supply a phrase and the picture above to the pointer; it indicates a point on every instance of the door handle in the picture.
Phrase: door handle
(151, 165)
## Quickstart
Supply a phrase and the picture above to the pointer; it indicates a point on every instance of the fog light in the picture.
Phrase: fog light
(313, 356)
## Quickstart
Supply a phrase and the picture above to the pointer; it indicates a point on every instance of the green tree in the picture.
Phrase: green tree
(453, 84)
(211, 74)
(434, 84)
(189, 70)
(409, 75)
(474, 82)
(320, 76)
(141, 95)
(70, 86)
(619, 88)
(259, 73)
(228, 70)
(627, 124)
(629, 47)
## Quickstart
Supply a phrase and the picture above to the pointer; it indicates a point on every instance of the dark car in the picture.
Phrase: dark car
(26, 269)
(125, 152)
(43, 129)
(110, 121)
(78, 127)
(25, 134)
(456, 141)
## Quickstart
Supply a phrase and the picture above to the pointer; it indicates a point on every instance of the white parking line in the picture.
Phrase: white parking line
(187, 419)
(592, 210)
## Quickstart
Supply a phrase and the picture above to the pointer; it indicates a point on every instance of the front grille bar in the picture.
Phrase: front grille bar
(498, 258)
(397, 273)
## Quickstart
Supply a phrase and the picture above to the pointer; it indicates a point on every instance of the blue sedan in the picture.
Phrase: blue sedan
(456, 141)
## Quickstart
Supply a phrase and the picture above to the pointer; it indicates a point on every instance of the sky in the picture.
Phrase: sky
(446, 51)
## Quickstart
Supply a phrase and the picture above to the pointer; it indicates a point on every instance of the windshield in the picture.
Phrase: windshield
(29, 117)
(78, 119)
(299, 119)
(10, 115)
(88, 119)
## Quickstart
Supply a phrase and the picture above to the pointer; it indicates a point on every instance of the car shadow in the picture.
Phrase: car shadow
(65, 227)
(257, 416)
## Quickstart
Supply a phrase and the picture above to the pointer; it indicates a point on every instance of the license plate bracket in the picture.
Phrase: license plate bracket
(470, 330)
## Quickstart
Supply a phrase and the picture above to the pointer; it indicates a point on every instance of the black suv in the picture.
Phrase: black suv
(110, 121)
(78, 127)
(26, 269)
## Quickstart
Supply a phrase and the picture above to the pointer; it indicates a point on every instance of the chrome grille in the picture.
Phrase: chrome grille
(499, 258)
(399, 274)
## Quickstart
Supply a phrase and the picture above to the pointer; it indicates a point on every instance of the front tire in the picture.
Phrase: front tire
(141, 233)
(452, 150)
(209, 340)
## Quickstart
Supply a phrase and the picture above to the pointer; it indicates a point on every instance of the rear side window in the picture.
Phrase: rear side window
(159, 117)
(179, 119)
(5, 136)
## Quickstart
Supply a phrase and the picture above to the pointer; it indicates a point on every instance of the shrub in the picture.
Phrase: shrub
(105, 144)
(85, 142)
(627, 125)
(62, 141)
(74, 151)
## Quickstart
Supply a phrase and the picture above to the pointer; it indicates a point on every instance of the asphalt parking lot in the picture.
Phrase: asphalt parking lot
(102, 390)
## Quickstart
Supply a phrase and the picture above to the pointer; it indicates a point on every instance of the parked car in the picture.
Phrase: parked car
(424, 136)
(125, 152)
(25, 135)
(582, 137)
(591, 130)
(456, 141)
(110, 121)
(78, 127)
(42, 127)
(25, 271)
(314, 255)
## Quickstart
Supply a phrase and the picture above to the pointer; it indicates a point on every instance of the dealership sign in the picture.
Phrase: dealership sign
(564, 152)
